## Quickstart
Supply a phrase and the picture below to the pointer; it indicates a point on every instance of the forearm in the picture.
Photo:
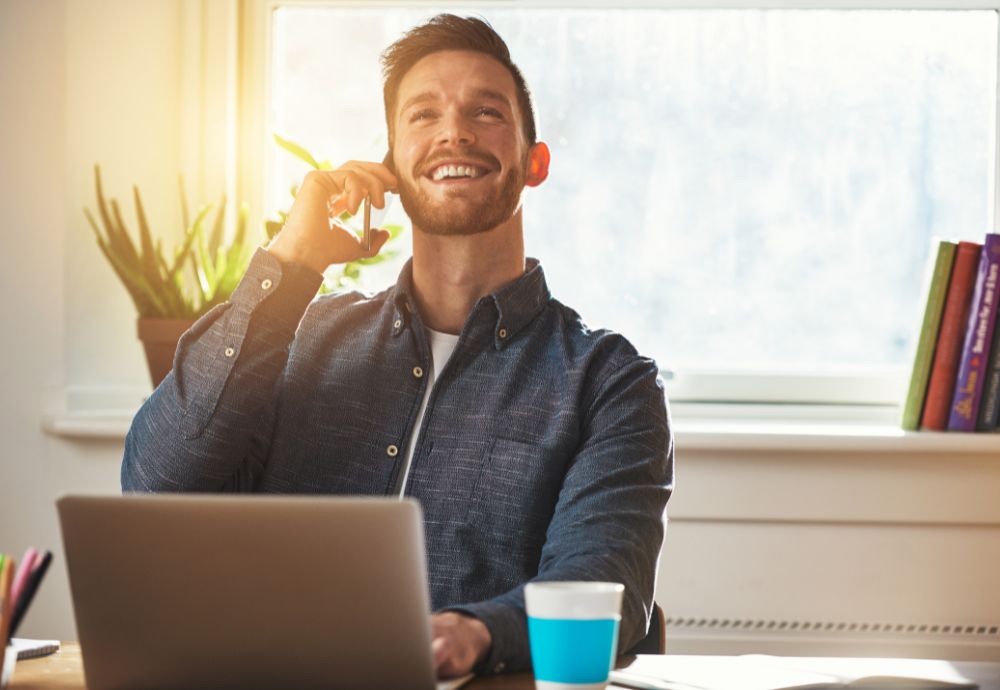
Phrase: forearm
(631, 560)
(197, 427)
(608, 523)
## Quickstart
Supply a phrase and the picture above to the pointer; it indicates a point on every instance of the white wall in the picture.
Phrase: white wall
(81, 82)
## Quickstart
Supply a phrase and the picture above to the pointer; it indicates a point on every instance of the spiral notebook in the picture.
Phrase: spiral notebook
(29, 649)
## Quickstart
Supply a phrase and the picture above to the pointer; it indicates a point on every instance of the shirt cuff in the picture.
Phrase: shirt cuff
(508, 628)
(282, 291)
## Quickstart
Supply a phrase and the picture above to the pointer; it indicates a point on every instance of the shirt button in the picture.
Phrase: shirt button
(503, 333)
(266, 283)
(418, 372)
(397, 323)
(499, 667)
(230, 352)
(392, 451)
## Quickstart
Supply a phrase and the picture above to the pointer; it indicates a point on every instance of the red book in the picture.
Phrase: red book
(948, 353)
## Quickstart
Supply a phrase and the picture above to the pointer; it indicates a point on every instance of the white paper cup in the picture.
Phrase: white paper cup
(573, 632)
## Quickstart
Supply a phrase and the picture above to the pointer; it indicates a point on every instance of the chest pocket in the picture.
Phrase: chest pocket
(515, 495)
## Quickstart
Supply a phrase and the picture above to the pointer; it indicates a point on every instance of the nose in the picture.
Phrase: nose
(455, 130)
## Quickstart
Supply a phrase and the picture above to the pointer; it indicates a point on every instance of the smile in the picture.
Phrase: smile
(447, 171)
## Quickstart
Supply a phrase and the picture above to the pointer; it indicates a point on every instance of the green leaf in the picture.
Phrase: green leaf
(142, 304)
(297, 151)
(149, 266)
(120, 240)
(185, 249)
(217, 228)
(205, 267)
(102, 206)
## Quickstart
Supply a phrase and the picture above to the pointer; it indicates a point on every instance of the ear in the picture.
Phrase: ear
(538, 164)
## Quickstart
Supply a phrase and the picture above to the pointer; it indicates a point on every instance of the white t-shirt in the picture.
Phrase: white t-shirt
(442, 345)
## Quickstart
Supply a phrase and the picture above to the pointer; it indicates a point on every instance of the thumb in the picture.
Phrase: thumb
(379, 238)
(439, 652)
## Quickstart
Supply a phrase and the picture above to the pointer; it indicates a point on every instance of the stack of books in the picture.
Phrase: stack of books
(18, 584)
(955, 382)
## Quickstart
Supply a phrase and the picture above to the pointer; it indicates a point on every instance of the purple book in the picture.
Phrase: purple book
(978, 338)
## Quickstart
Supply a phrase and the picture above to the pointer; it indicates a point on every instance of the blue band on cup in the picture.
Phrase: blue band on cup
(572, 650)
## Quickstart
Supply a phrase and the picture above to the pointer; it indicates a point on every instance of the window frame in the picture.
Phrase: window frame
(877, 390)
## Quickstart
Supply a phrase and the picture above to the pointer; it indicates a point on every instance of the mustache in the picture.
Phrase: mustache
(472, 155)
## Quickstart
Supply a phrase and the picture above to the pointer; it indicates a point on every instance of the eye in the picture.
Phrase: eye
(421, 115)
(486, 111)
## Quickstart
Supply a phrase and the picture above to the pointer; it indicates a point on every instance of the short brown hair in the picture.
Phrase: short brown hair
(450, 32)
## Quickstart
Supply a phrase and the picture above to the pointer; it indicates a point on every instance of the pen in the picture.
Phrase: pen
(28, 593)
(23, 572)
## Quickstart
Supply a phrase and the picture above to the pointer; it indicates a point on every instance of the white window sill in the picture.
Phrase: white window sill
(106, 413)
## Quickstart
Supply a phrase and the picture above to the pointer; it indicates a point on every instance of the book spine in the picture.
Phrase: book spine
(936, 291)
(978, 338)
(949, 345)
(989, 410)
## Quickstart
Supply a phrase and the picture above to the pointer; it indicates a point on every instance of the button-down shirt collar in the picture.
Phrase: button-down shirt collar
(516, 303)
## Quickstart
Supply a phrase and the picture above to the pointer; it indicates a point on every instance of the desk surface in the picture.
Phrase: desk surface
(64, 671)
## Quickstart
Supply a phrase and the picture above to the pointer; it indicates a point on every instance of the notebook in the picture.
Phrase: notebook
(31, 649)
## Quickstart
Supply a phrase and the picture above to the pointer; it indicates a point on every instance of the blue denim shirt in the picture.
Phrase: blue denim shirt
(545, 452)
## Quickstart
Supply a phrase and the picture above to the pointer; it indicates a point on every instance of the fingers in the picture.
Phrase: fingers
(344, 245)
(379, 238)
(354, 181)
(309, 237)
(359, 183)
(379, 170)
(439, 653)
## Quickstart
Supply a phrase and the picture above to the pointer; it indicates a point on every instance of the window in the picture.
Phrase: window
(748, 194)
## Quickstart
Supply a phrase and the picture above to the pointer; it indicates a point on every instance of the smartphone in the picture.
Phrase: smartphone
(367, 239)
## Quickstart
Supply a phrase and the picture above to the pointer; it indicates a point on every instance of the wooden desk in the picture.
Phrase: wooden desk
(64, 671)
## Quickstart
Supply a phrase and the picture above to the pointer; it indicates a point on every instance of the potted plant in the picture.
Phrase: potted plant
(167, 296)
(169, 299)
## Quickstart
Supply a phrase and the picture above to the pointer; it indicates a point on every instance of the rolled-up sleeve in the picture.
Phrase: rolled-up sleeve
(608, 523)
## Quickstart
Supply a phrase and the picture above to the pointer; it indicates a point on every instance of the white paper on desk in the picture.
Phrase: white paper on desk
(760, 672)
(681, 672)
(912, 674)
(453, 683)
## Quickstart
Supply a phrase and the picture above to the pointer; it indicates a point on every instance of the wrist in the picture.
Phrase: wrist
(482, 639)
(289, 255)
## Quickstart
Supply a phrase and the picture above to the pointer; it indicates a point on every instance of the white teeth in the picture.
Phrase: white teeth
(455, 171)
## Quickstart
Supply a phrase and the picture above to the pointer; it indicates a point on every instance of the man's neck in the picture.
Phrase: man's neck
(451, 273)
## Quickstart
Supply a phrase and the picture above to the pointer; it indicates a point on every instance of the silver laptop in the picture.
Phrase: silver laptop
(248, 592)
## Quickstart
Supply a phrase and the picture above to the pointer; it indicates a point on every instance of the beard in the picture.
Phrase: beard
(462, 215)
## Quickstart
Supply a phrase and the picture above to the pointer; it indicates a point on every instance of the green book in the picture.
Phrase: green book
(937, 289)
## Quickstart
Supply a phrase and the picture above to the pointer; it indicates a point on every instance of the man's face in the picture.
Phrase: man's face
(458, 147)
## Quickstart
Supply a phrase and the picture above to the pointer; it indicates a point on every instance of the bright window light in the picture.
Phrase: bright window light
(740, 191)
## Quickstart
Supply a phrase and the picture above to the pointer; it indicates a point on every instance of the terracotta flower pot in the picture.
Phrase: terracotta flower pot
(159, 337)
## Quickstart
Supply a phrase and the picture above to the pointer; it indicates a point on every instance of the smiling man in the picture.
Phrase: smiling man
(538, 448)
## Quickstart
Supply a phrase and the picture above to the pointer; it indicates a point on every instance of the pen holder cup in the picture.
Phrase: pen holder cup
(9, 659)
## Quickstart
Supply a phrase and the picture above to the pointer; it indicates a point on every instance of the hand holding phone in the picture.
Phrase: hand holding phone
(309, 238)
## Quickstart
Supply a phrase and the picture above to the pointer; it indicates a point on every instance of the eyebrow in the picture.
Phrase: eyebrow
(493, 95)
(479, 93)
